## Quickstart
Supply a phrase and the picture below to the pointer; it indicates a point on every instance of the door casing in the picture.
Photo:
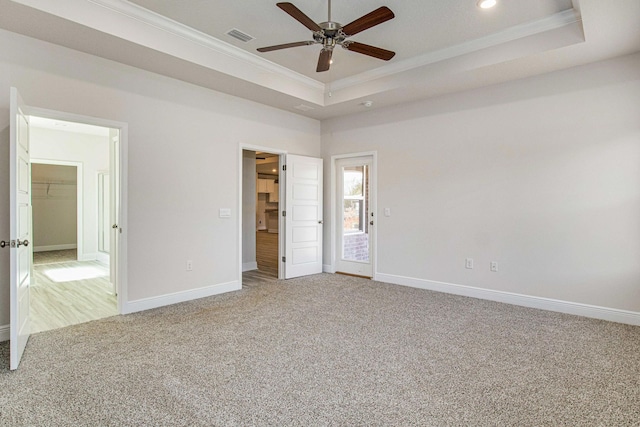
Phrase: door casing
(281, 204)
(121, 250)
(373, 233)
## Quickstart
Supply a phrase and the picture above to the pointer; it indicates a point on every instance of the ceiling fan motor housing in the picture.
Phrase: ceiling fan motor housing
(330, 35)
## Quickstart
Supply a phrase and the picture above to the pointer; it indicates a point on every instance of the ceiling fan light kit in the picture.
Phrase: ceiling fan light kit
(330, 34)
(487, 4)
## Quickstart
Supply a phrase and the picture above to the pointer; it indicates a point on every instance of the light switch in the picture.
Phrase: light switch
(225, 213)
(387, 211)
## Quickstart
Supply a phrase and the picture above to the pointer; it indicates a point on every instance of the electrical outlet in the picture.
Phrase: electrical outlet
(468, 263)
(189, 265)
(494, 266)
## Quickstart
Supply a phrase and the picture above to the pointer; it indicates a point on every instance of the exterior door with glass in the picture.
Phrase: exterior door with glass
(354, 216)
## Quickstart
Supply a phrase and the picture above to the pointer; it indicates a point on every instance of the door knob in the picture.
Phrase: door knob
(114, 226)
(321, 222)
(22, 243)
(370, 222)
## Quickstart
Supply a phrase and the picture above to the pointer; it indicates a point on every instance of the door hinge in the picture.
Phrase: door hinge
(284, 259)
(284, 213)
(284, 167)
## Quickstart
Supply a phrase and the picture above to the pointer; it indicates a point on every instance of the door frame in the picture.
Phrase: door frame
(123, 128)
(373, 193)
(79, 197)
(282, 155)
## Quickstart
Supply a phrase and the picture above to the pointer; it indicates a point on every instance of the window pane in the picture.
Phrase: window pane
(353, 181)
(352, 216)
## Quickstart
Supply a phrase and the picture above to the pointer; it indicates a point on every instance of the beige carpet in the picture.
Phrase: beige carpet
(329, 350)
(50, 257)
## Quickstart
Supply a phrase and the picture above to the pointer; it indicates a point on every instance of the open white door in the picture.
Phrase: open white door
(303, 231)
(20, 227)
(114, 206)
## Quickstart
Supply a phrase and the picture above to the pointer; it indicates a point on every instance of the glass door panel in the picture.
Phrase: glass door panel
(355, 211)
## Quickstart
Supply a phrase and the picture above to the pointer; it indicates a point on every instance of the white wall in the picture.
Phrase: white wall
(177, 132)
(90, 150)
(541, 175)
(54, 196)
(249, 261)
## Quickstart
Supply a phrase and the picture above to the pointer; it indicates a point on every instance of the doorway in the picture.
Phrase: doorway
(72, 223)
(261, 216)
(299, 212)
(354, 215)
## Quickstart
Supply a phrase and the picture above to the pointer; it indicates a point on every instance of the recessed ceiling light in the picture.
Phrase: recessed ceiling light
(486, 4)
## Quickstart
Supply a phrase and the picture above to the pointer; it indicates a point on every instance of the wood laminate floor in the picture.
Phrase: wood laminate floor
(68, 293)
(267, 253)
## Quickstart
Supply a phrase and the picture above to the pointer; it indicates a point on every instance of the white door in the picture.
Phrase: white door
(20, 227)
(114, 206)
(303, 230)
(354, 216)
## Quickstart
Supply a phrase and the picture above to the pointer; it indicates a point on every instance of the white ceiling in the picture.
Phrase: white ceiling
(420, 26)
(442, 46)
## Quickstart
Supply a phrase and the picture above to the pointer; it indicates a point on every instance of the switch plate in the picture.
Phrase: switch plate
(494, 266)
(387, 211)
(225, 213)
(189, 265)
(468, 263)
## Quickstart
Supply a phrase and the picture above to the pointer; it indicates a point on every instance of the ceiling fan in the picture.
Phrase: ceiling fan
(330, 33)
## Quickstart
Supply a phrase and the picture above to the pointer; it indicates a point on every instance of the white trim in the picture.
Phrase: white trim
(89, 256)
(568, 307)
(102, 257)
(132, 22)
(558, 20)
(5, 333)
(54, 247)
(79, 196)
(281, 203)
(373, 232)
(178, 297)
(249, 266)
(146, 16)
(123, 129)
(327, 268)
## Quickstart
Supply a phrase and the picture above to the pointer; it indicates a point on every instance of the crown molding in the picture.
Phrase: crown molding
(148, 17)
(558, 20)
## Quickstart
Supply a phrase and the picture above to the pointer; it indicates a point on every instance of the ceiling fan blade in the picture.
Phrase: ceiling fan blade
(324, 61)
(378, 16)
(285, 46)
(365, 49)
(299, 16)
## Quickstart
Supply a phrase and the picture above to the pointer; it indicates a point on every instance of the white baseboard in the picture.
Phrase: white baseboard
(54, 247)
(103, 257)
(5, 333)
(248, 266)
(177, 297)
(91, 256)
(578, 309)
(327, 268)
